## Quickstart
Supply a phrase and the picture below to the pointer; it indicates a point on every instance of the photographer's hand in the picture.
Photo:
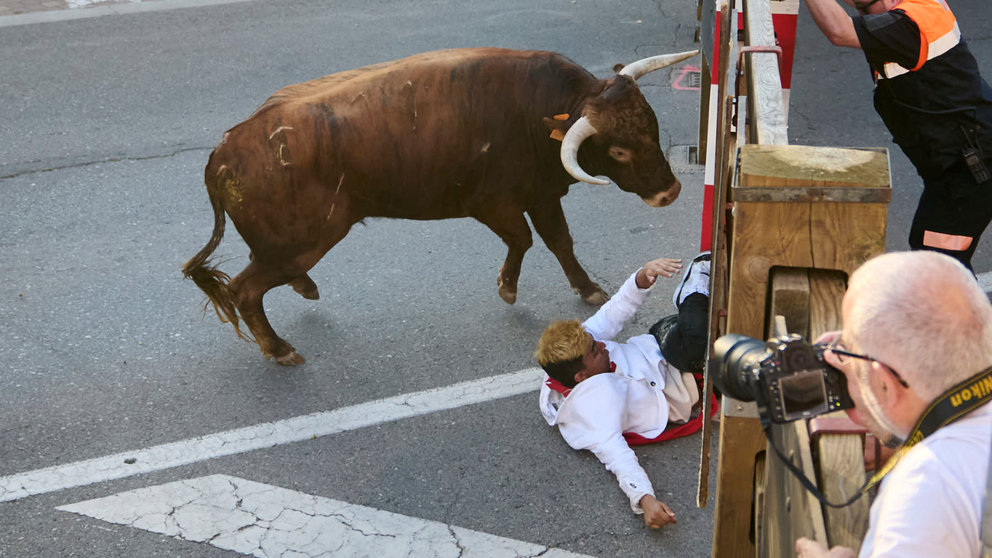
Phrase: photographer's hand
(656, 513)
(665, 267)
(806, 548)
(829, 337)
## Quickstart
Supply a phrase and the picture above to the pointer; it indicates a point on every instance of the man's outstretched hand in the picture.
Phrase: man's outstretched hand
(656, 513)
(665, 267)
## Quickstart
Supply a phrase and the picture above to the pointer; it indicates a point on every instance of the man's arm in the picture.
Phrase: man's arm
(834, 22)
(607, 322)
(593, 423)
(620, 460)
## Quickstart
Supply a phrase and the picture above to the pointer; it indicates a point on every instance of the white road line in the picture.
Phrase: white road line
(266, 435)
(264, 520)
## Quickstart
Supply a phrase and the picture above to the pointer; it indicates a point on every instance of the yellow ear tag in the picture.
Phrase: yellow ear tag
(557, 134)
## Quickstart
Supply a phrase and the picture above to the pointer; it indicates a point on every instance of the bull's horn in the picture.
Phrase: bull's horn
(577, 134)
(641, 67)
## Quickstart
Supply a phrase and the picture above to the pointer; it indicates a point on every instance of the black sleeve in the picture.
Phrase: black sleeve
(888, 37)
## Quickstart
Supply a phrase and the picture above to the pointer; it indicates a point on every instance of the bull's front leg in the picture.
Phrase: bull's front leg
(509, 224)
(549, 221)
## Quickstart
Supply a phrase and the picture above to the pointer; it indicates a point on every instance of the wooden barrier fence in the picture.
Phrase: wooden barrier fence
(787, 225)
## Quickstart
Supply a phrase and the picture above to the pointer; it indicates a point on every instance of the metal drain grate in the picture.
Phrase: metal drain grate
(694, 79)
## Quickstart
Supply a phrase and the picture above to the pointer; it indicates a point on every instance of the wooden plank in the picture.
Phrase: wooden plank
(790, 512)
(841, 456)
(845, 235)
(811, 194)
(719, 263)
(765, 235)
(790, 298)
(760, 502)
(764, 81)
(811, 505)
(841, 468)
(827, 289)
(741, 440)
(705, 90)
(802, 165)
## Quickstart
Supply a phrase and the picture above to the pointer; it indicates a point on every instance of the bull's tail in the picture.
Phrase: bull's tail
(212, 281)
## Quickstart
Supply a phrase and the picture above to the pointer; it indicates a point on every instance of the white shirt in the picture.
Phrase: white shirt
(600, 409)
(930, 504)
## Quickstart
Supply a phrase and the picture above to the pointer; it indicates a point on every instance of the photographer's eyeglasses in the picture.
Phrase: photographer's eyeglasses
(844, 357)
(862, 7)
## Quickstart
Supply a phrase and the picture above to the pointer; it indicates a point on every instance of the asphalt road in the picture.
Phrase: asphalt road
(108, 122)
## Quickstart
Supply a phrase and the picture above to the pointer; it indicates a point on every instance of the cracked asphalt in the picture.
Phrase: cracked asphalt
(109, 120)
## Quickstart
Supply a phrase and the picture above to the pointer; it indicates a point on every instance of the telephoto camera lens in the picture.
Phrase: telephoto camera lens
(736, 353)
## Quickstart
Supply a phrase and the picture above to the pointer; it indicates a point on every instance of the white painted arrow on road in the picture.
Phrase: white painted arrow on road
(261, 520)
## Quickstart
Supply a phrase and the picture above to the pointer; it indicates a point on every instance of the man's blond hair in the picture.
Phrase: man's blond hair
(562, 341)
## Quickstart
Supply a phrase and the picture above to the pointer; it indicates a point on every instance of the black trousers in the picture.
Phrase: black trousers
(682, 337)
(953, 204)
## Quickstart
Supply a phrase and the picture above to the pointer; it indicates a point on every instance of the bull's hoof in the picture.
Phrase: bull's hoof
(291, 359)
(595, 296)
(306, 287)
(506, 292)
(507, 295)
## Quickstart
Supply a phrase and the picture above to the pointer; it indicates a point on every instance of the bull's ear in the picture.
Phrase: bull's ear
(617, 68)
(558, 126)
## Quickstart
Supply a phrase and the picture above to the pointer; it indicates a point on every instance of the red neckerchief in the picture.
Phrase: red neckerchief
(564, 391)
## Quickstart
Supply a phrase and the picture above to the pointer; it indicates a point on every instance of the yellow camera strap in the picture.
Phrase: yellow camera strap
(949, 407)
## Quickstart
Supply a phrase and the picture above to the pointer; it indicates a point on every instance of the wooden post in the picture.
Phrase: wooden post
(798, 206)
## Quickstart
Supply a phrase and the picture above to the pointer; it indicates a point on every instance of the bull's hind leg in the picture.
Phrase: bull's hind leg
(549, 222)
(510, 225)
(250, 287)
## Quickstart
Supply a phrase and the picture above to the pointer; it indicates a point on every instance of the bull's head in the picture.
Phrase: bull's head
(626, 136)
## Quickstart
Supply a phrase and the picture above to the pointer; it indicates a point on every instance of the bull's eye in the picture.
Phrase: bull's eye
(620, 154)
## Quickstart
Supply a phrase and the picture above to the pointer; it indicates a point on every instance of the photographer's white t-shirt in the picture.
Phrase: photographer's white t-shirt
(930, 504)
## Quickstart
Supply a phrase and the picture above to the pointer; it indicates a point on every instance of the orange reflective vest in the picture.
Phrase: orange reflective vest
(939, 32)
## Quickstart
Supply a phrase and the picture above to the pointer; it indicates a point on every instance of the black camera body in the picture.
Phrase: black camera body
(786, 376)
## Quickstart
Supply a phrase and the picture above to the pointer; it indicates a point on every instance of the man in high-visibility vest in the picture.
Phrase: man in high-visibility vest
(931, 96)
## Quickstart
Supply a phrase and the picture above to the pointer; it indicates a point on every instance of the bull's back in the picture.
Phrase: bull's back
(424, 137)
(449, 71)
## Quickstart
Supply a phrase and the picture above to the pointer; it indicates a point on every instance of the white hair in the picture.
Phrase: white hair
(924, 315)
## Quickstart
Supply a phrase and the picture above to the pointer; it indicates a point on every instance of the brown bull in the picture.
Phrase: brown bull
(453, 133)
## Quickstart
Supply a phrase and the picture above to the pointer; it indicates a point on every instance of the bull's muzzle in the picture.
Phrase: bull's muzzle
(665, 197)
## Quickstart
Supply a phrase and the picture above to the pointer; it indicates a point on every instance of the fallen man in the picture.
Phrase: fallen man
(605, 396)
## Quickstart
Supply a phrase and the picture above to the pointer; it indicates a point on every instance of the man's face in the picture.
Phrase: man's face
(853, 369)
(596, 360)
(860, 378)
